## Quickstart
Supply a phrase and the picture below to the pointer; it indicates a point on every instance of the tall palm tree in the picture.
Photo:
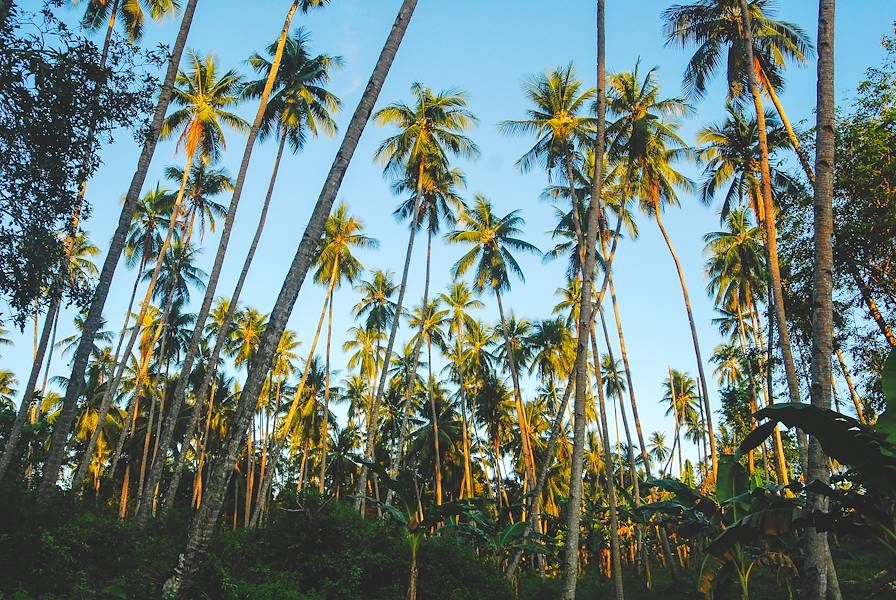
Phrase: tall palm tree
(203, 184)
(460, 300)
(264, 95)
(336, 264)
(494, 240)
(563, 132)
(648, 141)
(430, 133)
(716, 28)
(130, 14)
(819, 567)
(104, 282)
(200, 530)
(680, 396)
(205, 99)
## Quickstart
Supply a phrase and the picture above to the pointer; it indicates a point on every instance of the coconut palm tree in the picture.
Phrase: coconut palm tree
(431, 132)
(104, 282)
(131, 15)
(204, 98)
(198, 536)
(658, 449)
(494, 240)
(648, 141)
(203, 184)
(716, 28)
(680, 396)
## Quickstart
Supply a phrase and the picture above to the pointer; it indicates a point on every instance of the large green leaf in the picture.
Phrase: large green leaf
(886, 423)
(732, 479)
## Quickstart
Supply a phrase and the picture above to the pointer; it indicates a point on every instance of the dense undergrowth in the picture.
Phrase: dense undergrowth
(313, 551)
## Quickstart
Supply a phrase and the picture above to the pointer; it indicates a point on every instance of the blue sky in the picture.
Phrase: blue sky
(485, 48)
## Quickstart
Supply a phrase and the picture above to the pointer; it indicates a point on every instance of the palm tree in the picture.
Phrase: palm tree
(204, 98)
(459, 300)
(717, 28)
(493, 240)
(203, 184)
(104, 282)
(680, 395)
(335, 264)
(130, 14)
(430, 320)
(562, 131)
(200, 529)
(650, 144)
(430, 133)
(658, 449)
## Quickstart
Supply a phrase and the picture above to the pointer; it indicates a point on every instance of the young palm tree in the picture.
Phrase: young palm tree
(205, 99)
(104, 282)
(430, 133)
(494, 240)
(201, 528)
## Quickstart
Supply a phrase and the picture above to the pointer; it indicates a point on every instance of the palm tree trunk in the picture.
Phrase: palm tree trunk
(815, 566)
(791, 134)
(522, 421)
(437, 462)
(212, 283)
(854, 394)
(771, 242)
(221, 339)
(104, 282)
(325, 425)
(690, 313)
(396, 322)
(203, 524)
(119, 369)
(43, 385)
(395, 465)
(872, 307)
(571, 556)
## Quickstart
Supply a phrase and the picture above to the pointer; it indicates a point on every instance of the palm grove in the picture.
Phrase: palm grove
(194, 402)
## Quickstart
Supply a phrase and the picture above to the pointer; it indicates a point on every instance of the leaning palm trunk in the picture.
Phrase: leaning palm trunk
(767, 205)
(204, 521)
(817, 567)
(104, 283)
(571, 556)
(198, 330)
(325, 421)
(221, 340)
(856, 400)
(687, 304)
(395, 463)
(396, 322)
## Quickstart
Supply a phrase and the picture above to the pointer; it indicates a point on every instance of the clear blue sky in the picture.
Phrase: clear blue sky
(487, 49)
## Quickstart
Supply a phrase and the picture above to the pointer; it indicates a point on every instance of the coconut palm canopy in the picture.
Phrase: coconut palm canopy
(341, 291)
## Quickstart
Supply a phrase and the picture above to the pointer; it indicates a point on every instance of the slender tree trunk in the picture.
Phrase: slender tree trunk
(203, 523)
(687, 304)
(815, 566)
(791, 134)
(396, 322)
(571, 556)
(872, 307)
(325, 425)
(212, 284)
(854, 394)
(94, 315)
(435, 427)
(771, 241)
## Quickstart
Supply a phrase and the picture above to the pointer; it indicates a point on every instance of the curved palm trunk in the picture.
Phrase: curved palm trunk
(112, 388)
(856, 400)
(405, 416)
(221, 338)
(818, 568)
(771, 242)
(687, 303)
(791, 134)
(212, 283)
(396, 322)
(203, 523)
(94, 315)
(437, 461)
(872, 307)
